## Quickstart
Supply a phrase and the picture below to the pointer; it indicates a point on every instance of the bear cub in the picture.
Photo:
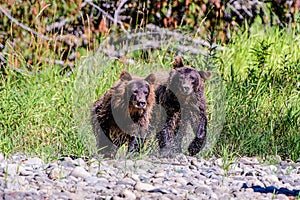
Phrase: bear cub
(182, 97)
(122, 115)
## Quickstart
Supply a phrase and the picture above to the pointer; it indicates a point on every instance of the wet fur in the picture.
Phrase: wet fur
(182, 109)
(129, 124)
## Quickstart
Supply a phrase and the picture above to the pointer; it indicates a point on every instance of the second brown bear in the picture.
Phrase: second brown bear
(182, 97)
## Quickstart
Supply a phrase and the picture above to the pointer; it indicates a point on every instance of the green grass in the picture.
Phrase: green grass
(262, 75)
(47, 113)
(36, 114)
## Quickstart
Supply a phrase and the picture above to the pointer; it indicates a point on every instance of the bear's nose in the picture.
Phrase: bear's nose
(186, 88)
(141, 104)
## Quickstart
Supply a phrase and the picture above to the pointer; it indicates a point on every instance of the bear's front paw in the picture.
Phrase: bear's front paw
(195, 146)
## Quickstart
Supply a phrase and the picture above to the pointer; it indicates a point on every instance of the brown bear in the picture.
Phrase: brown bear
(122, 115)
(181, 95)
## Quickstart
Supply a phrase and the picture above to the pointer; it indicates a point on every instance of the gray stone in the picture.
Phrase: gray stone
(128, 194)
(81, 184)
(116, 198)
(126, 181)
(181, 171)
(143, 186)
(160, 173)
(79, 162)
(219, 162)
(103, 181)
(273, 168)
(236, 185)
(135, 177)
(281, 197)
(25, 171)
(46, 189)
(2, 157)
(164, 197)
(54, 173)
(271, 179)
(12, 169)
(68, 162)
(181, 180)
(125, 165)
(255, 182)
(235, 170)
(80, 172)
(34, 162)
(192, 167)
(143, 164)
(213, 196)
(100, 188)
(92, 180)
(249, 161)
(224, 196)
(203, 190)
(196, 163)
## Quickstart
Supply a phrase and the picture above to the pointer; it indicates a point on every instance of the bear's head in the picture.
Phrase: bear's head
(185, 80)
(139, 92)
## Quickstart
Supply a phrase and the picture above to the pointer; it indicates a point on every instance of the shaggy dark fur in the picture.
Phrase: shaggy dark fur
(123, 114)
(182, 97)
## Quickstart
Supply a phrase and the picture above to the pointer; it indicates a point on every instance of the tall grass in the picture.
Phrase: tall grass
(36, 114)
(262, 74)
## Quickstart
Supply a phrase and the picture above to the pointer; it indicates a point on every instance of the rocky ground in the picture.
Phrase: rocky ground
(181, 177)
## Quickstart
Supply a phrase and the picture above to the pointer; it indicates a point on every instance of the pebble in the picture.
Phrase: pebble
(181, 177)
(80, 172)
(128, 194)
(33, 162)
(143, 186)
(54, 173)
(1, 157)
(11, 169)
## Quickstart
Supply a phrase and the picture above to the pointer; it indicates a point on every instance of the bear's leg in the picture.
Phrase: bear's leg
(105, 145)
(165, 142)
(178, 138)
(135, 144)
(165, 137)
(199, 126)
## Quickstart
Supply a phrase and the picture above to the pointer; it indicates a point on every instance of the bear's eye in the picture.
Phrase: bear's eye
(135, 91)
(192, 78)
(146, 92)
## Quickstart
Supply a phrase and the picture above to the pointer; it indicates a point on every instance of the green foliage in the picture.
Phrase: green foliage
(36, 114)
(228, 158)
(262, 75)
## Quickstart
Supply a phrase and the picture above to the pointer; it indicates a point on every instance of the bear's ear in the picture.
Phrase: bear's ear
(178, 62)
(205, 74)
(150, 78)
(125, 76)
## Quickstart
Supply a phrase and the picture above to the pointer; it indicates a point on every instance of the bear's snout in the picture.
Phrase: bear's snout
(141, 104)
(186, 89)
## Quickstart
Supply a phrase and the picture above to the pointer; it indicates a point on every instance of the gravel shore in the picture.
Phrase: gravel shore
(181, 177)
